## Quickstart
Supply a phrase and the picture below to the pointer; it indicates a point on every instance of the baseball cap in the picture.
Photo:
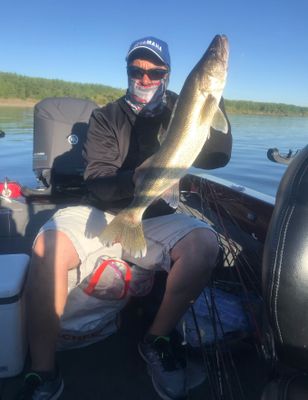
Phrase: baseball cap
(156, 46)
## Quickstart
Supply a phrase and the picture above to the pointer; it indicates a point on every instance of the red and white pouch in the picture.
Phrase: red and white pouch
(92, 308)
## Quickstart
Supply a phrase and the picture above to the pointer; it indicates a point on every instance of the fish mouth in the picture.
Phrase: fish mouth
(213, 64)
(219, 47)
(210, 72)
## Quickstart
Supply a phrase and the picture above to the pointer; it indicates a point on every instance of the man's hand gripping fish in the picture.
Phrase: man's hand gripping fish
(197, 109)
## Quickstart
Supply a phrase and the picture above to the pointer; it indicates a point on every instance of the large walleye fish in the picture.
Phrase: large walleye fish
(197, 109)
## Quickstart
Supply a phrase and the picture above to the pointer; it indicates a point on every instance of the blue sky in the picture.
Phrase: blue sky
(86, 41)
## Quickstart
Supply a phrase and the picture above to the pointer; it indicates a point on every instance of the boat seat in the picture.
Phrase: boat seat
(285, 281)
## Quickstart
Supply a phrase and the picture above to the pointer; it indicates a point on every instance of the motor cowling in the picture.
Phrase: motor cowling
(59, 131)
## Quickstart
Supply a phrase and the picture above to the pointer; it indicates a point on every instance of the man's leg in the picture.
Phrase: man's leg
(193, 258)
(46, 293)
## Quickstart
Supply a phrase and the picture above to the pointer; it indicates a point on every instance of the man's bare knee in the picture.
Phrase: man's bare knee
(54, 247)
(199, 245)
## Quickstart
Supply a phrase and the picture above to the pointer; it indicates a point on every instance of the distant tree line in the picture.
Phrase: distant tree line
(260, 108)
(23, 87)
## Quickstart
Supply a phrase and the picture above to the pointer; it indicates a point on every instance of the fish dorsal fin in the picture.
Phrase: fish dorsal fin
(219, 122)
(161, 136)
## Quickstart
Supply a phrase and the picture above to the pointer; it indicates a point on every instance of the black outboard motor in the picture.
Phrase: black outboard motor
(285, 280)
(60, 127)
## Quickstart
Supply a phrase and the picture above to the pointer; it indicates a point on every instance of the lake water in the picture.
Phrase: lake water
(249, 166)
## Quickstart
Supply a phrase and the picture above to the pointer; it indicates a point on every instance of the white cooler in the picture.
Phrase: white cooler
(13, 343)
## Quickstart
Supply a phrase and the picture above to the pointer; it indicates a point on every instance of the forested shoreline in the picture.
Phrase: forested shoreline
(30, 90)
(14, 86)
(260, 108)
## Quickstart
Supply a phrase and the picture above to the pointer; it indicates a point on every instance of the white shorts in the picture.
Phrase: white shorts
(87, 319)
(83, 225)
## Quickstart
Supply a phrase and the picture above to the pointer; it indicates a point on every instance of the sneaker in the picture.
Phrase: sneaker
(167, 370)
(35, 388)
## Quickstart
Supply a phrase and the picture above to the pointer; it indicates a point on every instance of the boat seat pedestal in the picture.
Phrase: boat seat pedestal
(289, 388)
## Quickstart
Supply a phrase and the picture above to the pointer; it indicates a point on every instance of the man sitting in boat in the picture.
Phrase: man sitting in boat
(121, 136)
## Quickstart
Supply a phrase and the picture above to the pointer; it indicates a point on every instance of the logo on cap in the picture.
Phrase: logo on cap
(150, 43)
(156, 46)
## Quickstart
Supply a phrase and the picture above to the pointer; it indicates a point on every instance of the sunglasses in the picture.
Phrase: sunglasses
(155, 74)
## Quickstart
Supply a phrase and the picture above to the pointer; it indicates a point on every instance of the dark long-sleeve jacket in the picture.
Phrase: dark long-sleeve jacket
(118, 141)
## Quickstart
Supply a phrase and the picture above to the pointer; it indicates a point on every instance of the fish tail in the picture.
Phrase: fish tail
(127, 231)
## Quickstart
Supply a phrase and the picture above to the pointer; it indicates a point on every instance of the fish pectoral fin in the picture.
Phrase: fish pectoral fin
(219, 122)
(172, 195)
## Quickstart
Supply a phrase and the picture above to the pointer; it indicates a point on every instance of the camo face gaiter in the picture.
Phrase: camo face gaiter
(147, 100)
